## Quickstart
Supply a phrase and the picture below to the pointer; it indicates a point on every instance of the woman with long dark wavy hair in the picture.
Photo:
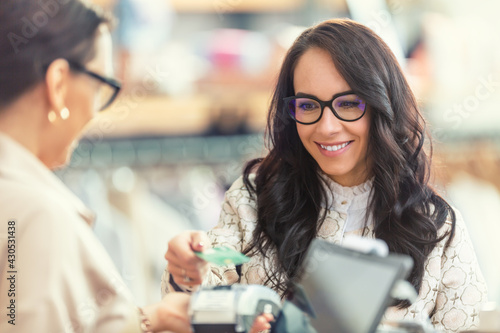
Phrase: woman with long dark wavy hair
(346, 156)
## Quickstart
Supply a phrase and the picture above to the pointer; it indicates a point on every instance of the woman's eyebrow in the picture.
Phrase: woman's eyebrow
(301, 94)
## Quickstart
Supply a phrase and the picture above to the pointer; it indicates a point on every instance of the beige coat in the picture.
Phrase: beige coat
(63, 279)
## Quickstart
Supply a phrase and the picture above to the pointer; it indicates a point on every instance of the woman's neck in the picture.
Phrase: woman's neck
(22, 121)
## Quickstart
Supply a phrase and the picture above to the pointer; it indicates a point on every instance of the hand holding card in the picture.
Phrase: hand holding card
(183, 265)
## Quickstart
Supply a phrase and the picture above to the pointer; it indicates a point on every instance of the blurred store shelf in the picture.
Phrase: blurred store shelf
(223, 6)
(105, 3)
(166, 151)
(181, 116)
(152, 115)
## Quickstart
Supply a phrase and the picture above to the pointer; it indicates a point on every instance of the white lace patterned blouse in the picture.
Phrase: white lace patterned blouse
(453, 288)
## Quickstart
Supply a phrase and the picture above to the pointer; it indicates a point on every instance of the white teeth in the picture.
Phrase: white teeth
(335, 148)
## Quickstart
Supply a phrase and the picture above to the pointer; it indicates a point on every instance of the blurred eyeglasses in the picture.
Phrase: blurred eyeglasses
(108, 90)
(307, 109)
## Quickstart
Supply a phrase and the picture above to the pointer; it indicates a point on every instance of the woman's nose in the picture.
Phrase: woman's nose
(329, 123)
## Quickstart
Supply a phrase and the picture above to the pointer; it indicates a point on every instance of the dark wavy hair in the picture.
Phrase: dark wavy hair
(35, 33)
(289, 190)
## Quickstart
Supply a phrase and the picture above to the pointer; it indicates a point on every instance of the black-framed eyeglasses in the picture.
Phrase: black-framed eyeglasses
(107, 92)
(307, 109)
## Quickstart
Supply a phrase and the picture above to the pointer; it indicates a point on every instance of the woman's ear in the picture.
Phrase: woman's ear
(57, 80)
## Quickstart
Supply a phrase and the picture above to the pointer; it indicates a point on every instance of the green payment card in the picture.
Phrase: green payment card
(223, 256)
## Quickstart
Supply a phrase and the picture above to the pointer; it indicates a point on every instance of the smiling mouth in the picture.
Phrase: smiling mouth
(335, 147)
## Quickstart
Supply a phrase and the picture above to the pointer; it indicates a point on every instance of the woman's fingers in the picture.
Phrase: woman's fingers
(171, 314)
(261, 323)
(186, 277)
(183, 264)
(180, 248)
(199, 241)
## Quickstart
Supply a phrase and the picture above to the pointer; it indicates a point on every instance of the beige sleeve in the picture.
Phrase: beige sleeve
(462, 289)
(133, 324)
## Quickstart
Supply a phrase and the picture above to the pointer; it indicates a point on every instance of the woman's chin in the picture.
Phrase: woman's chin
(56, 165)
(62, 161)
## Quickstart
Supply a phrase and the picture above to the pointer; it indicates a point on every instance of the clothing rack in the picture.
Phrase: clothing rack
(164, 151)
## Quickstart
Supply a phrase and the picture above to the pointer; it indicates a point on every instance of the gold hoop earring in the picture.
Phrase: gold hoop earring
(64, 113)
(52, 116)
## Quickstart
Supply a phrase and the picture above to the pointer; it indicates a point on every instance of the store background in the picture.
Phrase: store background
(197, 77)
